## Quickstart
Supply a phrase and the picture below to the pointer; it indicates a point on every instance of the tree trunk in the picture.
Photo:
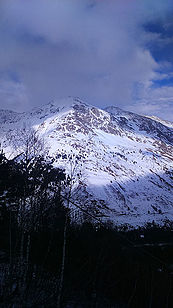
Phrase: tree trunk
(62, 263)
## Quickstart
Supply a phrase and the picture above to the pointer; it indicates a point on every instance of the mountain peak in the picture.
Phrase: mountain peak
(69, 101)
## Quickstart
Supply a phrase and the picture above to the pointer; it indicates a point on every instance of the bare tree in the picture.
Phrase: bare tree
(41, 183)
(73, 163)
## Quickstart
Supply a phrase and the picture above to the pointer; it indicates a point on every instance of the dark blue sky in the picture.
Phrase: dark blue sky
(162, 47)
(108, 52)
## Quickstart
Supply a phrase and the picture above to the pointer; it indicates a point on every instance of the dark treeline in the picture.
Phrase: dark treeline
(48, 260)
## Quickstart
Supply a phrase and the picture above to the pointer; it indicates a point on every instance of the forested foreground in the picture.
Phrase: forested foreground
(48, 260)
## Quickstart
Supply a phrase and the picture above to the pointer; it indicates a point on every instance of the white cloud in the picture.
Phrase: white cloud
(13, 95)
(70, 47)
(155, 101)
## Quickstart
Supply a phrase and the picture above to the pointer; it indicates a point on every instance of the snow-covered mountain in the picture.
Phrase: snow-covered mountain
(126, 168)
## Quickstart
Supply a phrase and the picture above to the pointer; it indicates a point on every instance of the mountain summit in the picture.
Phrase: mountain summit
(126, 159)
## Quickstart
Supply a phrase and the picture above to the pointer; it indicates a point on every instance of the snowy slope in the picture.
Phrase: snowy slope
(126, 165)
